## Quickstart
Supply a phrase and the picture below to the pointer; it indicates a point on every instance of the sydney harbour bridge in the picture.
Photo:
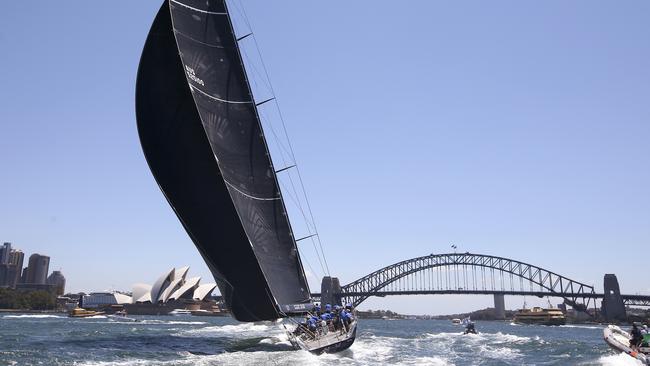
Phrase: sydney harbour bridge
(479, 274)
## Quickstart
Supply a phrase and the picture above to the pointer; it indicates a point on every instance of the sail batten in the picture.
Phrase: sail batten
(215, 147)
(194, 88)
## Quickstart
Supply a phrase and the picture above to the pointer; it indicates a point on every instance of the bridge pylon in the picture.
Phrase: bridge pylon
(330, 291)
(499, 307)
(612, 305)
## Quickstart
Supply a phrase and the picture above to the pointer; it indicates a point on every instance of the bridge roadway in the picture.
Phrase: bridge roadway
(633, 300)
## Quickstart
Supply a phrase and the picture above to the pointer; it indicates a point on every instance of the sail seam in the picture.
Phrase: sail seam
(215, 98)
(197, 41)
(196, 9)
(248, 195)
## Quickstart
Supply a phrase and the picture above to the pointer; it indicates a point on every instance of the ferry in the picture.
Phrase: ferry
(83, 313)
(541, 316)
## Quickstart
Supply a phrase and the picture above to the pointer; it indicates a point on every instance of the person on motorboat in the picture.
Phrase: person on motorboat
(470, 329)
(637, 337)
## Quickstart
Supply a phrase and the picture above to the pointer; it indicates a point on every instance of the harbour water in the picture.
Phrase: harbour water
(186, 340)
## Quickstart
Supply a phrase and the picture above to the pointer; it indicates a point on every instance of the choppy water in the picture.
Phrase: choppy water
(187, 340)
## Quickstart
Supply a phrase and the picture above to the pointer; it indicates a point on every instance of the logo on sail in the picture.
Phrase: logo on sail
(192, 75)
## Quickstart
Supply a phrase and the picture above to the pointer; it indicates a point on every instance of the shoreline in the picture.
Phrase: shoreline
(29, 311)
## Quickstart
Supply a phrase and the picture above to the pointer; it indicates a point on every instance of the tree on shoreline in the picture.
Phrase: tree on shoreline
(32, 300)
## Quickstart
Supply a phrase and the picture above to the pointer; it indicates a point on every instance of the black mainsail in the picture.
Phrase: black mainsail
(202, 138)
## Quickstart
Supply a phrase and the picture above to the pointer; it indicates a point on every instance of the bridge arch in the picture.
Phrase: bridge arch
(548, 283)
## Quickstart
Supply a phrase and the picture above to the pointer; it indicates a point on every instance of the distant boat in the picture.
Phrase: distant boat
(83, 313)
(121, 316)
(456, 321)
(180, 312)
(541, 316)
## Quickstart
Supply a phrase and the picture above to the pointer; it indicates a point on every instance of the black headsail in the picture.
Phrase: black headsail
(202, 138)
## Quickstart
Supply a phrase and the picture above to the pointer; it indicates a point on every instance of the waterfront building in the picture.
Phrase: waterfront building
(172, 286)
(103, 299)
(187, 290)
(57, 280)
(37, 269)
(10, 268)
(4, 253)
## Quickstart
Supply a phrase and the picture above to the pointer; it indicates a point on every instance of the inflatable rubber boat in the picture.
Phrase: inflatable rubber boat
(619, 340)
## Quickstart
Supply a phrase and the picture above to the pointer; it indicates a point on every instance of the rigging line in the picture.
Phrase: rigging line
(251, 65)
(312, 269)
(320, 244)
(308, 230)
(279, 141)
(295, 198)
(297, 201)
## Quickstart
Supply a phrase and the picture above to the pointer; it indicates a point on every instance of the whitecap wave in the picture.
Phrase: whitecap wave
(428, 361)
(581, 326)
(228, 359)
(620, 359)
(245, 330)
(171, 322)
(34, 316)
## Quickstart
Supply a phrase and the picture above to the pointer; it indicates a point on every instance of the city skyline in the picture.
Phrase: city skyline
(34, 276)
(510, 129)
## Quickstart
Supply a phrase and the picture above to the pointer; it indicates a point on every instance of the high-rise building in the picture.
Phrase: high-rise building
(5, 250)
(23, 278)
(37, 269)
(10, 266)
(58, 280)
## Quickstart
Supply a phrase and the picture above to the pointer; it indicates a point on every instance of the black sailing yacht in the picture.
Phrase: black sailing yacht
(202, 138)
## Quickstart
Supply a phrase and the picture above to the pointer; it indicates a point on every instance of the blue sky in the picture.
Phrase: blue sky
(511, 128)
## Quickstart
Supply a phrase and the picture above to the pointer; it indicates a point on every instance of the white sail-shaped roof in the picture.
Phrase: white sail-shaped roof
(141, 291)
(161, 284)
(204, 290)
(173, 286)
(122, 299)
(181, 273)
(188, 288)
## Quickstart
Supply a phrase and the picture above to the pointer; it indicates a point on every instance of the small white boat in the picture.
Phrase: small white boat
(619, 340)
(455, 321)
(180, 312)
(121, 316)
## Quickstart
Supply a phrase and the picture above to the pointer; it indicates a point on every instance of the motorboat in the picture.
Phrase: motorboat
(180, 312)
(619, 340)
(83, 313)
(121, 316)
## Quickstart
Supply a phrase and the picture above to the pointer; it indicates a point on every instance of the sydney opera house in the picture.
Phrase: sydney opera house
(172, 285)
(172, 289)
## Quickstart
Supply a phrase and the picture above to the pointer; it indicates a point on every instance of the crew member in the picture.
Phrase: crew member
(636, 336)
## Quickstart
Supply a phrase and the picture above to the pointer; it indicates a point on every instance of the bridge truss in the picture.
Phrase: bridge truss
(467, 273)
